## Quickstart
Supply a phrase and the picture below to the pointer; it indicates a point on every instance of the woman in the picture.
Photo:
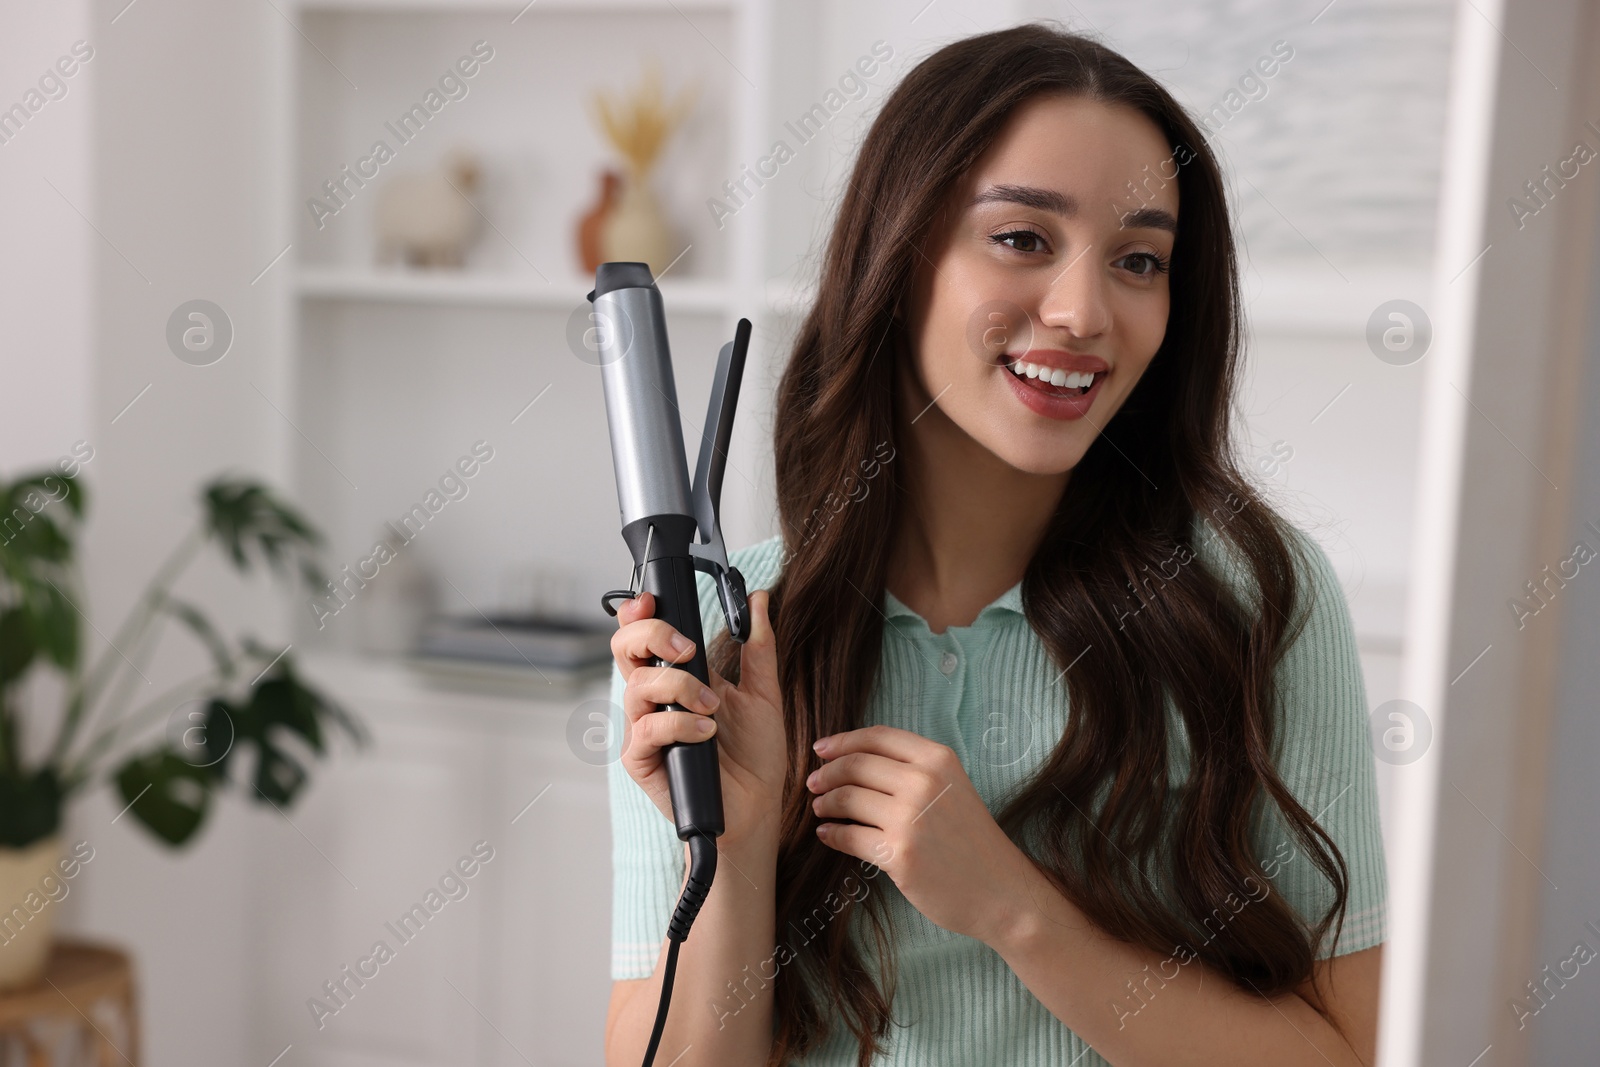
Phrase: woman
(928, 859)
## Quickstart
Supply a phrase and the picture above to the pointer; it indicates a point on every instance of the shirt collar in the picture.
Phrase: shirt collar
(1010, 600)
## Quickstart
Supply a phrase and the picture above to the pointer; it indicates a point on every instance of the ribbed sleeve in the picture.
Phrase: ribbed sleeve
(1326, 761)
(646, 868)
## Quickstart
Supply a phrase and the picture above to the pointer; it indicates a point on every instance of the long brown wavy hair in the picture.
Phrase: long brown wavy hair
(1148, 859)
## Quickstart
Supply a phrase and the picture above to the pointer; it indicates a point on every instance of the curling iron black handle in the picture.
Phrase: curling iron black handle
(694, 775)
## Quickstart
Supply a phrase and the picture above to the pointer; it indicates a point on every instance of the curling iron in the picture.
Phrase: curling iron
(661, 513)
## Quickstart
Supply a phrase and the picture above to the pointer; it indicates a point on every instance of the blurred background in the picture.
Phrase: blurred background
(273, 269)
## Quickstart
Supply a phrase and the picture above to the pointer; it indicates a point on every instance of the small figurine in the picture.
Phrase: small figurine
(425, 219)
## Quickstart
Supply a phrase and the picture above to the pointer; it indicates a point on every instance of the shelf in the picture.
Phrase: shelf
(483, 289)
(447, 691)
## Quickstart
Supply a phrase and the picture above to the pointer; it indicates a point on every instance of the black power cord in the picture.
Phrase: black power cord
(702, 869)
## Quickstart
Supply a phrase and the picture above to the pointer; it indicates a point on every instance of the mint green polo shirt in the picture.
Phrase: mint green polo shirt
(992, 693)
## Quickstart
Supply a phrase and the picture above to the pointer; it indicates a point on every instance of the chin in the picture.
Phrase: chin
(1032, 456)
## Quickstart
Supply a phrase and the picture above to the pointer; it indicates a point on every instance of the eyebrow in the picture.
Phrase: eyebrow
(1062, 204)
(1152, 218)
(1028, 196)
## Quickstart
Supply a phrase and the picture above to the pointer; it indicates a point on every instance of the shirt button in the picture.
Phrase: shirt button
(947, 662)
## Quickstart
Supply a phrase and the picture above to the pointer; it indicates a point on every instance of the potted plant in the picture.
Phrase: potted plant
(250, 698)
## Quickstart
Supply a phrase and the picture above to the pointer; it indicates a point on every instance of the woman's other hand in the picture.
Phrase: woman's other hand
(915, 813)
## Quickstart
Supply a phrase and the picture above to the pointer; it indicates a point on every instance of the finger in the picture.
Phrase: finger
(865, 769)
(863, 842)
(660, 729)
(758, 659)
(650, 687)
(646, 640)
(887, 741)
(641, 606)
(855, 802)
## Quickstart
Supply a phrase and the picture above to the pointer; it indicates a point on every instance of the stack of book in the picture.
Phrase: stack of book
(537, 651)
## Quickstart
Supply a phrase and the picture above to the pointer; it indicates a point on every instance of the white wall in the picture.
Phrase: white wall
(179, 132)
(45, 247)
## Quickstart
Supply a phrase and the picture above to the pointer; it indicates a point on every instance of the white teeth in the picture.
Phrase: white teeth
(1053, 375)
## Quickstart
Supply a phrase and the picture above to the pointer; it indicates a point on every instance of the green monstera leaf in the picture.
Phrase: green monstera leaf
(30, 807)
(250, 523)
(55, 624)
(281, 704)
(167, 793)
(183, 772)
(17, 646)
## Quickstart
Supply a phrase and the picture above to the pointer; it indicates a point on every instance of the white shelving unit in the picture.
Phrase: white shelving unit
(395, 372)
(486, 289)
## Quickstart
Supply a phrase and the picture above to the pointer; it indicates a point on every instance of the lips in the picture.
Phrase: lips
(1029, 373)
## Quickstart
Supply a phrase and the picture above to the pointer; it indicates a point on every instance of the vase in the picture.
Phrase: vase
(635, 230)
(590, 253)
(27, 911)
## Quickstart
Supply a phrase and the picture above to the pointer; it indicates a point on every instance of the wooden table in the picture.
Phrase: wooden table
(86, 994)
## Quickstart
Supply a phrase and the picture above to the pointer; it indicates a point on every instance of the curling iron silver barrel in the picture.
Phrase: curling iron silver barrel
(660, 510)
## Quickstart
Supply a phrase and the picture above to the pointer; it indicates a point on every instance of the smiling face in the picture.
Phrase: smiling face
(1051, 260)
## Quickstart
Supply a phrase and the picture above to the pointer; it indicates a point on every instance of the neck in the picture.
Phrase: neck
(968, 523)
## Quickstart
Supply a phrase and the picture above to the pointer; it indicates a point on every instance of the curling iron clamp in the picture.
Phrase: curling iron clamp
(661, 513)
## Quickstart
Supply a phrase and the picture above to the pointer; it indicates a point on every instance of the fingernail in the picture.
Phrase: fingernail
(821, 745)
(703, 725)
(681, 644)
(811, 780)
(708, 698)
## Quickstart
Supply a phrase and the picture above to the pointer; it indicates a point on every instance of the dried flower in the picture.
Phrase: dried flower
(640, 125)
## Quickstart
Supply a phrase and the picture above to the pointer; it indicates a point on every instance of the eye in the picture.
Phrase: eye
(1154, 263)
(1028, 237)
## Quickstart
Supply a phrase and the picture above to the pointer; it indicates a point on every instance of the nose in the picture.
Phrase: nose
(1077, 298)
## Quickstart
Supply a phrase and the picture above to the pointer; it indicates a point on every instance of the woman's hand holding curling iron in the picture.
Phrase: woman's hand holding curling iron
(746, 720)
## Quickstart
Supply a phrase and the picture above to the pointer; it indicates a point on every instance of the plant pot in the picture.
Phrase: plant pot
(27, 913)
(635, 231)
